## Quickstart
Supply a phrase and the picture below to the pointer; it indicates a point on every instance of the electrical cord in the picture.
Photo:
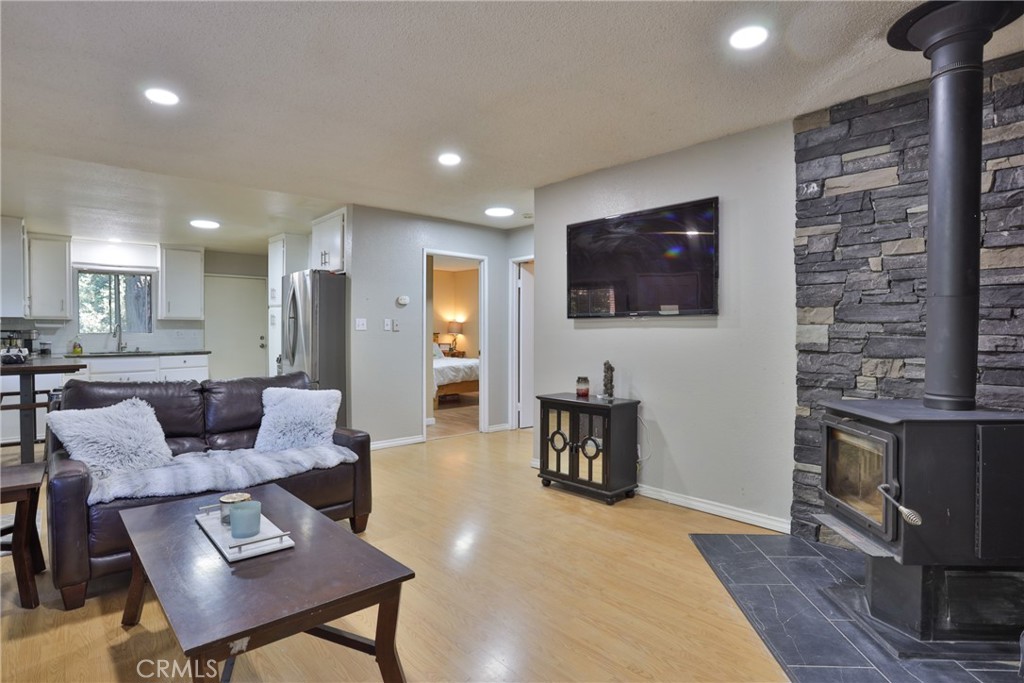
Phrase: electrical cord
(644, 442)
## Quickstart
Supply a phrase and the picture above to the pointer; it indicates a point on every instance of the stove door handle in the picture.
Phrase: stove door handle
(909, 516)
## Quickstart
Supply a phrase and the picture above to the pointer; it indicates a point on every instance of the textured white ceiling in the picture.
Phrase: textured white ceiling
(290, 109)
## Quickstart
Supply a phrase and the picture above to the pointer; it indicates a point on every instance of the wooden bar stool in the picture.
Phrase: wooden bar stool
(20, 484)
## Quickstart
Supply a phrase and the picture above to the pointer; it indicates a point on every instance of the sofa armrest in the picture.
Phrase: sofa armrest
(357, 440)
(67, 513)
(362, 495)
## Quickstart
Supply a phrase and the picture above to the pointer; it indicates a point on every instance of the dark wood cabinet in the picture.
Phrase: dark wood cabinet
(589, 444)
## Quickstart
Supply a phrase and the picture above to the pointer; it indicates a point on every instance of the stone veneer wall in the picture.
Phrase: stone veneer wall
(862, 212)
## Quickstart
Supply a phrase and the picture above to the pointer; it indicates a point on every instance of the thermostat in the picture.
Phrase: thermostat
(402, 300)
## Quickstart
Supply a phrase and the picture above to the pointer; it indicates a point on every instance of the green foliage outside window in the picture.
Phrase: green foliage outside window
(105, 299)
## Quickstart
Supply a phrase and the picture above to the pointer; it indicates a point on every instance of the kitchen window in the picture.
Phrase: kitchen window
(109, 299)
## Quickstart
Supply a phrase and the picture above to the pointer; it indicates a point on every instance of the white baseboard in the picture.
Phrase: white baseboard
(392, 443)
(429, 421)
(498, 428)
(535, 463)
(718, 509)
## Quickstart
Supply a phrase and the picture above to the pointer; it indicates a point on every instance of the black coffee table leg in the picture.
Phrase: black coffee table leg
(387, 627)
(136, 593)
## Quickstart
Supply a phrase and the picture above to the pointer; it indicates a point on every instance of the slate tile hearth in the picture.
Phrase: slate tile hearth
(777, 580)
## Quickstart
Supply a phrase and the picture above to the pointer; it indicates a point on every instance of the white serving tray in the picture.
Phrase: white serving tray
(269, 539)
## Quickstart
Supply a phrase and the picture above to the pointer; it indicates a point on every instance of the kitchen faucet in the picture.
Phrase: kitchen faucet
(121, 345)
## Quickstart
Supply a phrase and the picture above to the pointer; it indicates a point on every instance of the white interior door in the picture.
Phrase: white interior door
(524, 344)
(236, 326)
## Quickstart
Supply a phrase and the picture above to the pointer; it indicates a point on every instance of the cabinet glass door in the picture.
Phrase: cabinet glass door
(557, 444)
(590, 432)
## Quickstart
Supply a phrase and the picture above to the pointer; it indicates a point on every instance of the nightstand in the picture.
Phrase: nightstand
(455, 354)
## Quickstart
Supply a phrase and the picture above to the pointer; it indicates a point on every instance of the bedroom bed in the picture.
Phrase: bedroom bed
(453, 376)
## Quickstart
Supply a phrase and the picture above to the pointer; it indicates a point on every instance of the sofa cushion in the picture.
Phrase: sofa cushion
(234, 408)
(322, 488)
(178, 406)
(107, 534)
(297, 418)
(119, 438)
(316, 488)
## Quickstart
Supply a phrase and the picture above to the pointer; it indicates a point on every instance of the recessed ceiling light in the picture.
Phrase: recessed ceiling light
(449, 159)
(161, 96)
(748, 37)
(499, 212)
(204, 224)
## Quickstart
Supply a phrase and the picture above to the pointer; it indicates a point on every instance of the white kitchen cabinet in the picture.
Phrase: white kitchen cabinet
(181, 368)
(12, 269)
(273, 339)
(327, 246)
(286, 254)
(49, 277)
(141, 376)
(105, 255)
(123, 369)
(181, 283)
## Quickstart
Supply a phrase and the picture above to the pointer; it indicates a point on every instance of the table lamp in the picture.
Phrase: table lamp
(454, 329)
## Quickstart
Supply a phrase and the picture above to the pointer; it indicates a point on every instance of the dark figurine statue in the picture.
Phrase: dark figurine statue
(609, 384)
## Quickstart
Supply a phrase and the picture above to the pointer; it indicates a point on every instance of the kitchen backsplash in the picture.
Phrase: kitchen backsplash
(177, 335)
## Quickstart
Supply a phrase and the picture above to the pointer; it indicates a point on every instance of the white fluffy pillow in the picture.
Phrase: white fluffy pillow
(438, 353)
(119, 438)
(296, 418)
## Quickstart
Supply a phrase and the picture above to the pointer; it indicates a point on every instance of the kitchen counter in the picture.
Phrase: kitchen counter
(38, 366)
(132, 354)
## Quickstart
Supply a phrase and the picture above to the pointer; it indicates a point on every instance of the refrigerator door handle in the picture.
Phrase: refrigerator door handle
(291, 329)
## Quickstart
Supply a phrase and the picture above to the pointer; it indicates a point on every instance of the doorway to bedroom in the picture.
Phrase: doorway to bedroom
(455, 333)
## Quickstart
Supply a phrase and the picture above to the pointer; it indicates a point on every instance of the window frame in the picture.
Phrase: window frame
(116, 315)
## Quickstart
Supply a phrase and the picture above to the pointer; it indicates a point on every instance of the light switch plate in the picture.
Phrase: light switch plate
(394, 325)
(387, 324)
(360, 324)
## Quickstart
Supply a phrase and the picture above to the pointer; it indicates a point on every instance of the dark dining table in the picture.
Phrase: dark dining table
(27, 402)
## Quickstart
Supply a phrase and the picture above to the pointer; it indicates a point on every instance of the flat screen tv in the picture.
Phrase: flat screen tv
(657, 262)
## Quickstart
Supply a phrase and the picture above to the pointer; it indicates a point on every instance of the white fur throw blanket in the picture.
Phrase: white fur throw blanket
(216, 471)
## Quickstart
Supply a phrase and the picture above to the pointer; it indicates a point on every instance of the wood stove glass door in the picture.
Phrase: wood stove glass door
(858, 460)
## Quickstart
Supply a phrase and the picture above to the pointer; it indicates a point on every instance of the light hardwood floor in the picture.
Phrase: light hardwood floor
(456, 417)
(514, 582)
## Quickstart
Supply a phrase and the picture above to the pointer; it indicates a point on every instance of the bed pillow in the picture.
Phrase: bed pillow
(297, 418)
(119, 438)
(438, 353)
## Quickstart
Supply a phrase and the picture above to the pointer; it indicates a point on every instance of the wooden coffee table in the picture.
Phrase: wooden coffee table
(218, 609)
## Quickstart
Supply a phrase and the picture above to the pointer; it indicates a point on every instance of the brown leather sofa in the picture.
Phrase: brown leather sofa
(89, 541)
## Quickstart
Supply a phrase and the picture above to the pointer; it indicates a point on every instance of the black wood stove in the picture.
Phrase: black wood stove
(933, 491)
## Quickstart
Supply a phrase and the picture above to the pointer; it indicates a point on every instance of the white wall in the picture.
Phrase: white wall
(717, 392)
(520, 242)
(386, 382)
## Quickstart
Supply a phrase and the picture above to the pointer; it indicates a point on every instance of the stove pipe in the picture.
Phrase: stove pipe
(953, 35)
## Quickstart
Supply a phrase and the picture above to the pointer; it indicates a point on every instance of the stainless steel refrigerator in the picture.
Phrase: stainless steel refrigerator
(313, 333)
